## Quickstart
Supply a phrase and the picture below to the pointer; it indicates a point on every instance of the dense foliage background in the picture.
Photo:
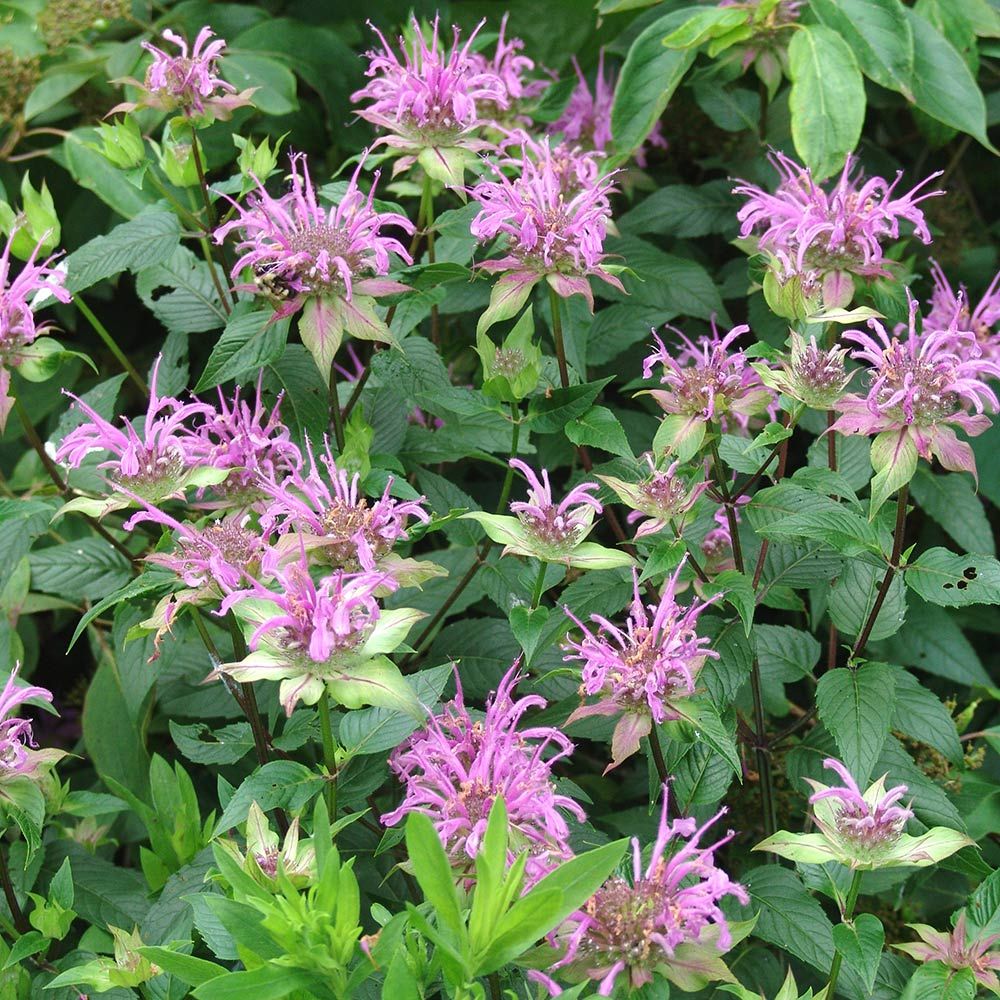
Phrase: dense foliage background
(850, 617)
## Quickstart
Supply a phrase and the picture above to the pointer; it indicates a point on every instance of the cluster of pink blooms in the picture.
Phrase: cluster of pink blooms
(555, 526)
(958, 952)
(632, 927)
(948, 308)
(639, 672)
(188, 81)
(18, 756)
(18, 327)
(826, 237)
(297, 248)
(454, 769)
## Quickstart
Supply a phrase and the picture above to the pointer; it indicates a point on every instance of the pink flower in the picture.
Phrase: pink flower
(639, 672)
(18, 759)
(250, 441)
(668, 909)
(586, 119)
(706, 382)
(957, 952)
(555, 525)
(432, 105)
(153, 464)
(550, 233)
(947, 306)
(455, 768)
(329, 511)
(823, 238)
(334, 259)
(920, 388)
(18, 329)
(513, 69)
(188, 82)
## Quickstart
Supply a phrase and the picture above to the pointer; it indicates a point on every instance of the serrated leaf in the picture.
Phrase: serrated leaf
(852, 599)
(921, 715)
(953, 581)
(860, 941)
(598, 427)
(280, 783)
(952, 501)
(250, 341)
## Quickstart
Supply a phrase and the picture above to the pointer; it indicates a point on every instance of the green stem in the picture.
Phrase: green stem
(557, 336)
(852, 899)
(427, 212)
(657, 751)
(109, 343)
(515, 437)
(536, 595)
(727, 500)
(329, 754)
(336, 419)
(206, 247)
(20, 920)
(190, 219)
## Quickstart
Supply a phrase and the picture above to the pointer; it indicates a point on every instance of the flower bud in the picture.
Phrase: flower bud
(121, 143)
(177, 161)
(256, 163)
(37, 224)
(511, 371)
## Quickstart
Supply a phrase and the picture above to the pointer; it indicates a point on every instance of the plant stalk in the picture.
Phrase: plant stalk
(109, 343)
(536, 594)
(329, 754)
(657, 752)
(852, 899)
(21, 923)
(557, 336)
(336, 419)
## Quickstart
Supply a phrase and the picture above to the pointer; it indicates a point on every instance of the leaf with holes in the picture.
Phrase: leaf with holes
(953, 581)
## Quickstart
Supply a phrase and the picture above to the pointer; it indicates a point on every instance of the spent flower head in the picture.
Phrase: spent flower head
(819, 240)
(665, 920)
(707, 381)
(455, 768)
(553, 230)
(20, 294)
(188, 81)
(268, 855)
(957, 951)
(862, 830)
(431, 104)
(332, 260)
(640, 672)
(811, 374)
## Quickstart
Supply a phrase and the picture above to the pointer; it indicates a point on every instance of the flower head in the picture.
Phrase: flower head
(251, 441)
(335, 259)
(822, 239)
(921, 386)
(431, 103)
(667, 912)
(641, 671)
(327, 634)
(514, 69)
(957, 952)
(554, 225)
(946, 304)
(706, 381)
(159, 461)
(325, 508)
(662, 497)
(455, 768)
(811, 374)
(862, 830)
(18, 756)
(267, 855)
(586, 119)
(18, 328)
(189, 81)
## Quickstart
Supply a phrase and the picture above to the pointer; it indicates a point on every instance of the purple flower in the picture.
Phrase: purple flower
(811, 374)
(980, 321)
(823, 238)
(550, 233)
(432, 104)
(333, 259)
(662, 497)
(586, 119)
(188, 82)
(513, 69)
(706, 382)
(455, 768)
(557, 526)
(154, 463)
(640, 671)
(328, 511)
(957, 952)
(920, 387)
(249, 441)
(18, 329)
(18, 758)
(668, 910)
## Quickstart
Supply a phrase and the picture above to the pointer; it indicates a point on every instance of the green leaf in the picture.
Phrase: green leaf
(703, 24)
(180, 293)
(703, 717)
(305, 407)
(954, 581)
(188, 969)
(148, 583)
(269, 982)
(738, 591)
(51, 89)
(25, 946)
(92, 171)
(250, 341)
(857, 706)
(83, 570)
(433, 872)
(284, 784)
(894, 459)
(922, 716)
(527, 624)
(787, 648)
(860, 941)
(22, 520)
(937, 981)
(683, 211)
(880, 36)
(952, 501)
(648, 79)
(149, 239)
(942, 84)
(275, 82)
(21, 800)
(599, 428)
(852, 599)
(827, 99)
(551, 413)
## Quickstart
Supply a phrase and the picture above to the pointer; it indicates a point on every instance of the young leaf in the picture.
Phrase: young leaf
(433, 872)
